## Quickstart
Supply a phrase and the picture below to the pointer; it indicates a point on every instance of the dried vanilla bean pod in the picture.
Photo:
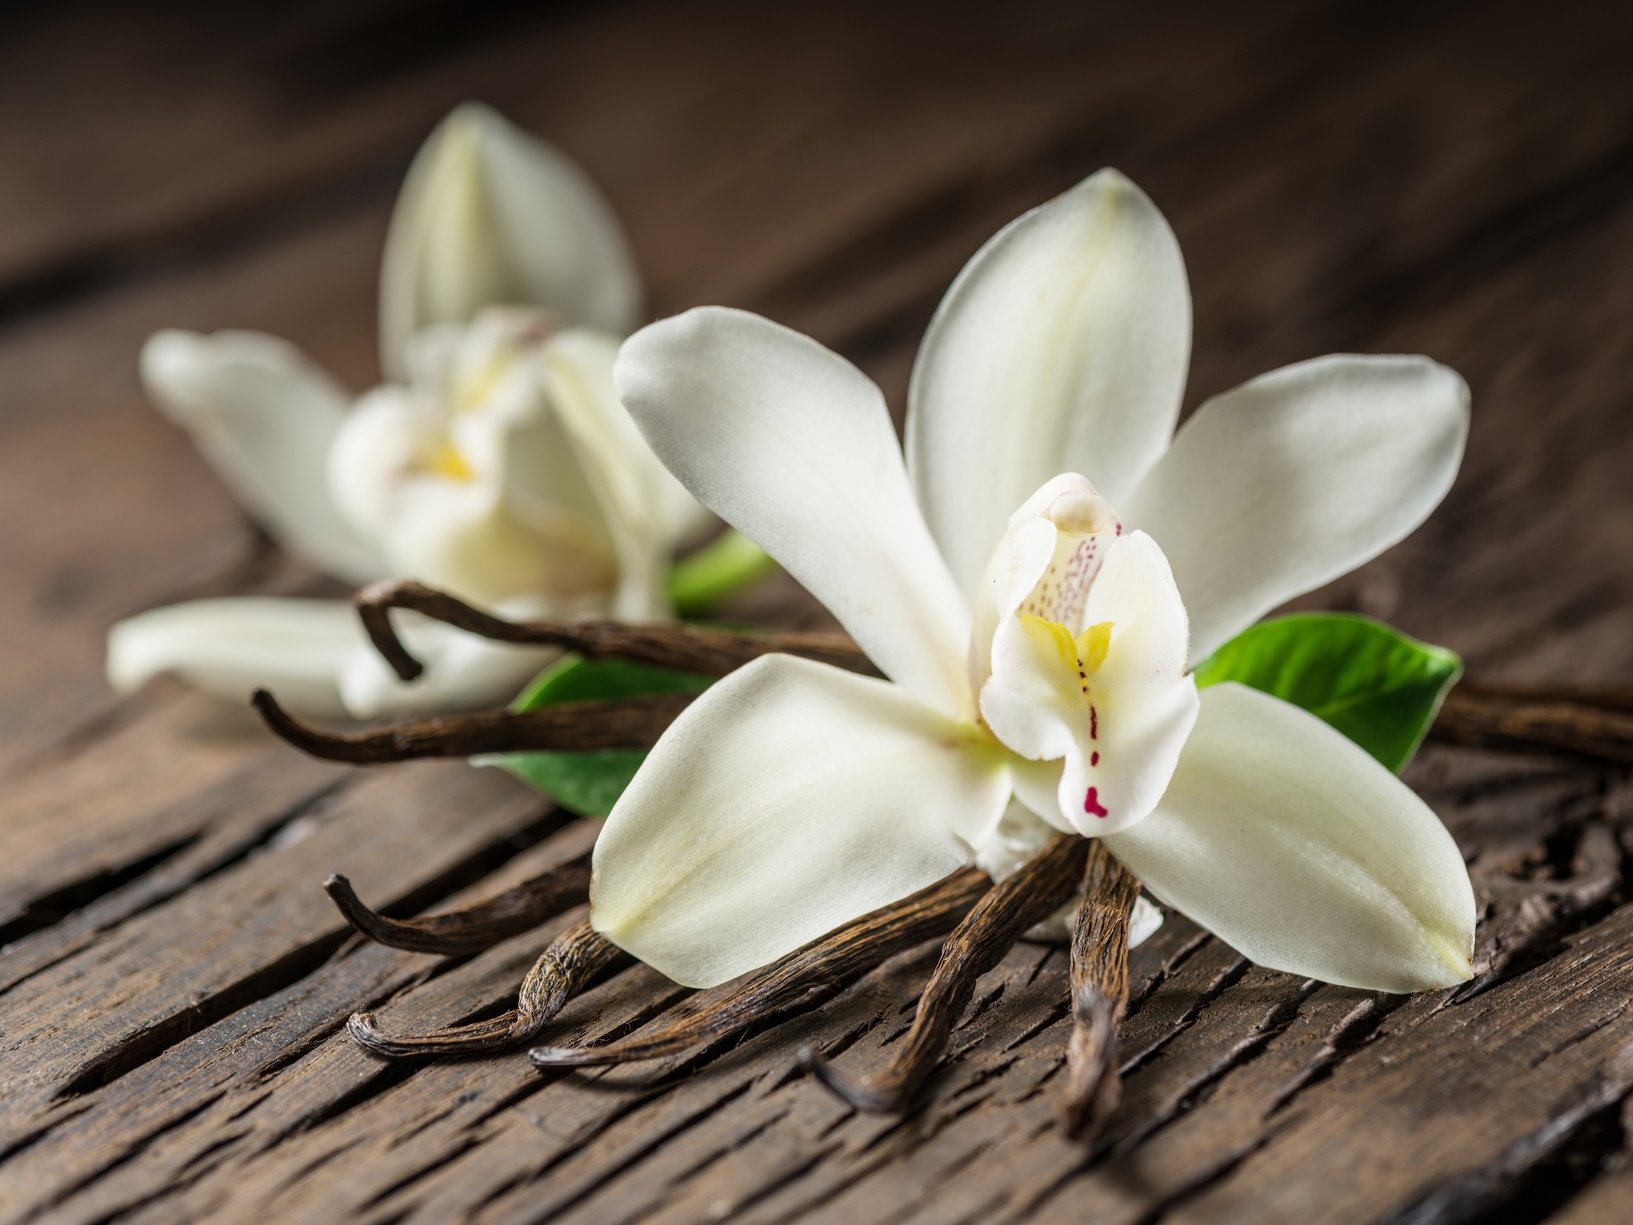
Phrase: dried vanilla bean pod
(476, 927)
(1099, 979)
(564, 969)
(1596, 724)
(810, 974)
(690, 648)
(602, 723)
(1027, 897)
(472, 1039)
(1580, 726)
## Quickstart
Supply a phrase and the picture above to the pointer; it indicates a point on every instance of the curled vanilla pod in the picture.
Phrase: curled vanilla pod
(811, 974)
(603, 723)
(690, 648)
(566, 967)
(460, 932)
(1583, 722)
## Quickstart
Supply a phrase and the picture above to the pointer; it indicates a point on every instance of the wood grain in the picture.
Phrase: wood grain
(1454, 179)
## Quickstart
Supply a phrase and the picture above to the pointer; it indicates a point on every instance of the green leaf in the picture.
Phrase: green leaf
(728, 563)
(1373, 683)
(588, 783)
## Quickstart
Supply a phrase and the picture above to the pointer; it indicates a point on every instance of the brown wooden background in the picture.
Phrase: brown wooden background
(1455, 179)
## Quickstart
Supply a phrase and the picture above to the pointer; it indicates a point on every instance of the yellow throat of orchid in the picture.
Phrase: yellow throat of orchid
(1082, 654)
(447, 462)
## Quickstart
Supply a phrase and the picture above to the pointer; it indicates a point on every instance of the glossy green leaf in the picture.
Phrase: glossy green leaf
(1374, 684)
(589, 783)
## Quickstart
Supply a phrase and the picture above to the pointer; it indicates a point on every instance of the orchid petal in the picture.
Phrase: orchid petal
(264, 416)
(1061, 346)
(490, 216)
(1144, 921)
(793, 446)
(1294, 846)
(1037, 789)
(314, 655)
(788, 799)
(229, 647)
(1298, 477)
(647, 511)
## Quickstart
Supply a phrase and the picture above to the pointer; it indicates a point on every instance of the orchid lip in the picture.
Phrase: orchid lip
(1066, 669)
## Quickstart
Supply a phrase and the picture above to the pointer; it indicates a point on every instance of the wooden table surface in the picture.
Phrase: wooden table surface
(1455, 179)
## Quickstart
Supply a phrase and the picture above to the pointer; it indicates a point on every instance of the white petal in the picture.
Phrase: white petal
(462, 671)
(1150, 699)
(1119, 726)
(489, 216)
(793, 446)
(381, 442)
(1143, 922)
(460, 524)
(1290, 843)
(1298, 477)
(227, 648)
(315, 658)
(264, 417)
(647, 511)
(1062, 346)
(1037, 789)
(790, 798)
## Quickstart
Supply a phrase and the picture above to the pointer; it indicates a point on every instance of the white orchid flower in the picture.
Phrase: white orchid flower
(500, 465)
(1036, 655)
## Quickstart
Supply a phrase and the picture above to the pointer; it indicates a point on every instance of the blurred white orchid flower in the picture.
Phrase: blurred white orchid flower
(498, 463)
(1036, 657)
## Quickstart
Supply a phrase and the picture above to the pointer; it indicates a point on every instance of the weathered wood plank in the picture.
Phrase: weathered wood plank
(232, 1066)
(234, 936)
(1476, 1095)
(1504, 185)
(1609, 1198)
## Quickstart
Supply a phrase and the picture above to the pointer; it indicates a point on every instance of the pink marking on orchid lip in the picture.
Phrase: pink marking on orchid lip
(1094, 759)
(1093, 806)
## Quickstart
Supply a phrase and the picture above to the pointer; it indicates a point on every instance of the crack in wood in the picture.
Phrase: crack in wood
(147, 1044)
(47, 909)
(101, 904)
(1536, 1175)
